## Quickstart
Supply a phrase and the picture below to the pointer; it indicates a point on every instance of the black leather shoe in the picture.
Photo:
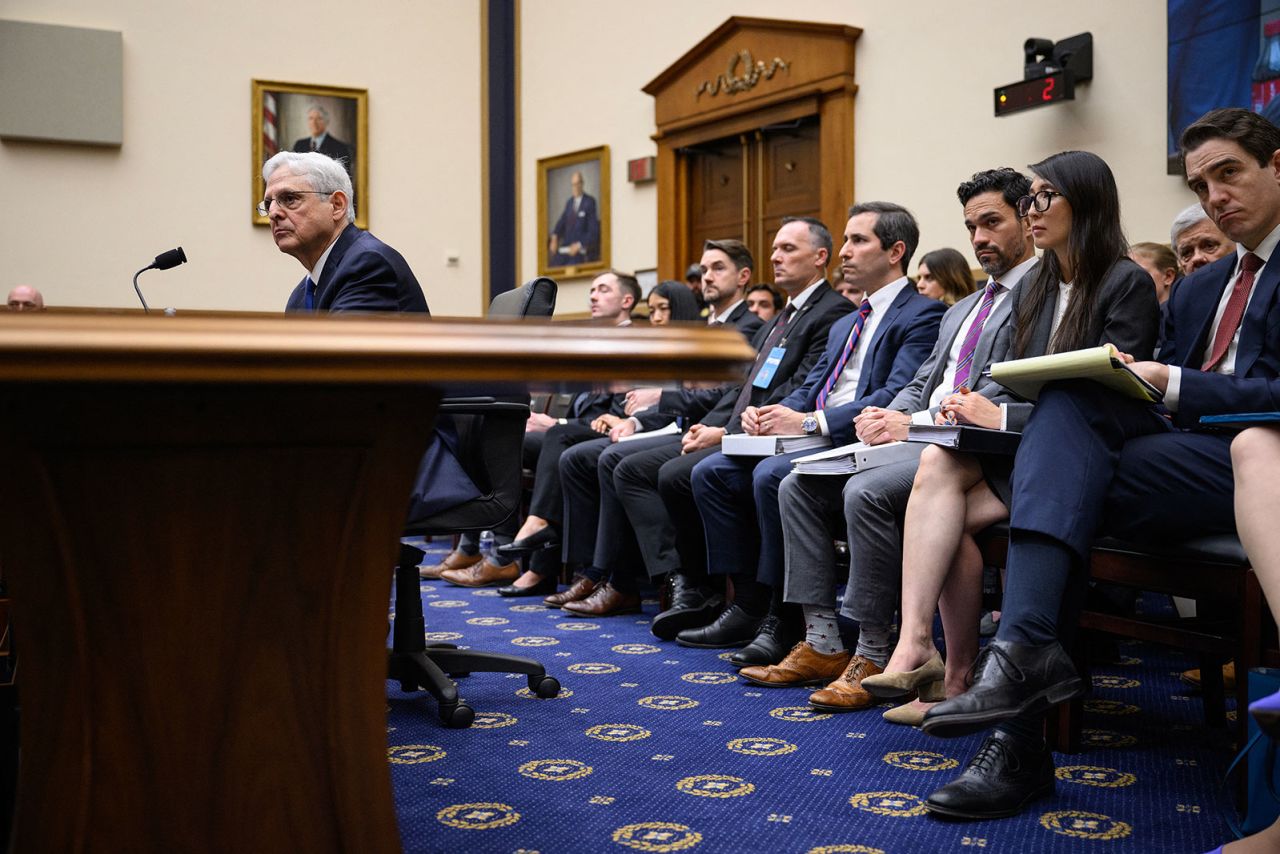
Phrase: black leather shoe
(1011, 679)
(1000, 780)
(545, 586)
(734, 627)
(547, 538)
(771, 645)
(692, 606)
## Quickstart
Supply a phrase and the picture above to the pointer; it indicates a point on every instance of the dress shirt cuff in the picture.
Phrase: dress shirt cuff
(562, 420)
(1173, 389)
(636, 422)
(822, 422)
(1004, 416)
(924, 416)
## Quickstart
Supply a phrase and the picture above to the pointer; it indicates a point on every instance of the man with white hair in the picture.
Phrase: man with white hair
(1196, 240)
(308, 203)
(319, 139)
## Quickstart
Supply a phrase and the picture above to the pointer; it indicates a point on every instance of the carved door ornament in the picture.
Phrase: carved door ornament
(732, 84)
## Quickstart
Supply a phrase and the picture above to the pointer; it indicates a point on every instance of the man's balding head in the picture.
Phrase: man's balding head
(25, 298)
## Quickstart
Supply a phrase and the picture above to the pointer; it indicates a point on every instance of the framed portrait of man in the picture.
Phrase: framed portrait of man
(573, 213)
(299, 117)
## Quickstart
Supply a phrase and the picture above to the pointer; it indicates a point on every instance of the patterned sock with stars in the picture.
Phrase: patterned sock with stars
(820, 629)
(875, 643)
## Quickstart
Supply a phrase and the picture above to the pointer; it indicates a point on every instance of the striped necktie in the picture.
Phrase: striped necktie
(850, 345)
(964, 365)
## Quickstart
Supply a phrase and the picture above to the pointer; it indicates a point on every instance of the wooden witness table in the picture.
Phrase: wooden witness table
(199, 519)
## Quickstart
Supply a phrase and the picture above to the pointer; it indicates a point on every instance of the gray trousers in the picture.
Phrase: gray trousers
(867, 509)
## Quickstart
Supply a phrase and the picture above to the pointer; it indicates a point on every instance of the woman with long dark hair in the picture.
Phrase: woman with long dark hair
(1085, 292)
(944, 275)
(672, 302)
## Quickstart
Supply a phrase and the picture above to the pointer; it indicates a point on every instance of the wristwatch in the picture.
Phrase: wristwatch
(810, 424)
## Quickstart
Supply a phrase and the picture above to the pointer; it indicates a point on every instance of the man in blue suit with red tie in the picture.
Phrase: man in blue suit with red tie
(1091, 460)
(308, 203)
(870, 356)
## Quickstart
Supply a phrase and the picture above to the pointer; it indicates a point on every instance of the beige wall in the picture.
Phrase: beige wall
(80, 221)
(88, 218)
(926, 71)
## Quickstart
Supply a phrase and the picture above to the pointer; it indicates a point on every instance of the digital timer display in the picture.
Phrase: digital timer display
(1025, 94)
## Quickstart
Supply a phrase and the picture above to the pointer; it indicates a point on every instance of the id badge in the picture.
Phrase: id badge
(770, 367)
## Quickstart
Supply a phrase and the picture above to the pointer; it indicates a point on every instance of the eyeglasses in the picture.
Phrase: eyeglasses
(289, 200)
(1039, 200)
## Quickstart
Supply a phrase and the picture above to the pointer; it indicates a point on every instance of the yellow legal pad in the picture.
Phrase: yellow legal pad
(1025, 377)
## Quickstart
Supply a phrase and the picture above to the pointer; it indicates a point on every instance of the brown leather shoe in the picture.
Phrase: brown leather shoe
(605, 601)
(1192, 677)
(483, 574)
(803, 666)
(453, 560)
(580, 589)
(846, 694)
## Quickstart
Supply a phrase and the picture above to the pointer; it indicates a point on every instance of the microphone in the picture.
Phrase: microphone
(164, 261)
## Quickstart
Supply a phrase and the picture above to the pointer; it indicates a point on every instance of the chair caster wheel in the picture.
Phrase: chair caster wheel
(545, 687)
(457, 717)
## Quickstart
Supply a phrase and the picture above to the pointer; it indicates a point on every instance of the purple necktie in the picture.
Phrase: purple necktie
(965, 363)
(834, 376)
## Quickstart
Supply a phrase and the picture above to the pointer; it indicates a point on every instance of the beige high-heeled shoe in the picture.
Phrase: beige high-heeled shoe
(889, 686)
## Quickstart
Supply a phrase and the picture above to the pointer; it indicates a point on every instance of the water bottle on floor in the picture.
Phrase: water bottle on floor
(486, 543)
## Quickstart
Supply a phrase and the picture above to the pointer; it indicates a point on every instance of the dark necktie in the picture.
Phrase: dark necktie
(744, 396)
(314, 147)
(964, 365)
(834, 377)
(1232, 314)
(310, 300)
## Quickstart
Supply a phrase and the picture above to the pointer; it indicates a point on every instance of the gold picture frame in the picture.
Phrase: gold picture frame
(579, 227)
(281, 120)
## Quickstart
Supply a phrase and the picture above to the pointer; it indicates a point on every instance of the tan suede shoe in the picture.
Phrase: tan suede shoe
(846, 694)
(581, 588)
(907, 715)
(891, 686)
(1192, 677)
(453, 560)
(483, 574)
(803, 666)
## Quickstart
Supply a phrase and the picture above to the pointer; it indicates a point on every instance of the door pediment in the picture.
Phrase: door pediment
(749, 63)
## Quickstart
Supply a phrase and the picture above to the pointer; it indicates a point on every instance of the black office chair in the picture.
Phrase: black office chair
(490, 436)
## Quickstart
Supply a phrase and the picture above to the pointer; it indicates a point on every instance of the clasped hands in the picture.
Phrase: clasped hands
(772, 420)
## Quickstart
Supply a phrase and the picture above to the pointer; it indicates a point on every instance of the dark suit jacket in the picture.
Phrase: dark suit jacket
(1191, 307)
(362, 274)
(903, 339)
(1128, 316)
(692, 404)
(993, 346)
(331, 147)
(804, 341)
(582, 227)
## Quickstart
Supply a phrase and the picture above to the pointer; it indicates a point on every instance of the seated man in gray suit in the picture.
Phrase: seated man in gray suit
(869, 505)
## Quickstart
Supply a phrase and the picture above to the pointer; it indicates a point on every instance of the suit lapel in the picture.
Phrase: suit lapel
(882, 329)
(1253, 324)
(1206, 303)
(998, 317)
(331, 265)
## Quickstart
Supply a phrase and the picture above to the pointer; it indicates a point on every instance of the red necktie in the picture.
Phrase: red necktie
(1231, 315)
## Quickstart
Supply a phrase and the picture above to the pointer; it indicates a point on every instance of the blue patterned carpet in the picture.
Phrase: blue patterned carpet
(654, 747)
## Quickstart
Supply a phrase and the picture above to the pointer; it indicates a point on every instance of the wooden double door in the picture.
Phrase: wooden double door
(742, 186)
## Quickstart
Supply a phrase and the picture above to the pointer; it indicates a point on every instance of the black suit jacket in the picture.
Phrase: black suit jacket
(362, 274)
(694, 403)
(804, 342)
